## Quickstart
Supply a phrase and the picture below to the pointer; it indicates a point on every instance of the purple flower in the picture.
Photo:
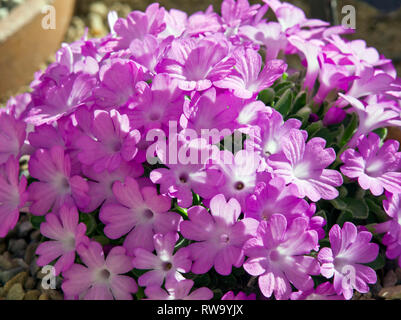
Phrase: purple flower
(139, 24)
(324, 291)
(344, 260)
(197, 63)
(241, 296)
(155, 106)
(118, 79)
(12, 137)
(62, 99)
(66, 235)
(375, 167)
(56, 186)
(333, 116)
(12, 195)
(112, 141)
(178, 291)
(220, 235)
(235, 175)
(392, 227)
(304, 166)
(164, 265)
(277, 255)
(102, 278)
(140, 213)
(246, 79)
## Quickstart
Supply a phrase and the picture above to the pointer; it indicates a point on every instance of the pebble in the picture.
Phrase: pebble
(43, 296)
(100, 9)
(32, 295)
(24, 228)
(16, 292)
(6, 262)
(29, 283)
(20, 278)
(5, 276)
(33, 267)
(17, 247)
(3, 247)
(390, 279)
(391, 293)
(30, 252)
(54, 295)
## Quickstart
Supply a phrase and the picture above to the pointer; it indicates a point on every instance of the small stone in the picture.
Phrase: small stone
(24, 228)
(19, 278)
(391, 293)
(17, 247)
(398, 270)
(100, 9)
(32, 295)
(33, 267)
(390, 279)
(54, 295)
(97, 27)
(1, 292)
(30, 252)
(6, 275)
(29, 283)
(43, 296)
(5, 261)
(16, 292)
(3, 247)
(35, 235)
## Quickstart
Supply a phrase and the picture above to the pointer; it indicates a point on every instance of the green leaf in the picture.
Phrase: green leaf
(350, 130)
(300, 102)
(381, 132)
(358, 208)
(140, 293)
(202, 280)
(377, 210)
(36, 221)
(89, 221)
(313, 128)
(266, 96)
(283, 105)
(344, 217)
(103, 240)
(378, 263)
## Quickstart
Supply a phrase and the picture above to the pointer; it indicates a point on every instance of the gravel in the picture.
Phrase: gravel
(6, 6)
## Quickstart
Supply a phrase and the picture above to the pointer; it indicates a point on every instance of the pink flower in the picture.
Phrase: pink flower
(324, 291)
(66, 234)
(344, 260)
(56, 186)
(246, 80)
(304, 166)
(139, 213)
(241, 296)
(220, 235)
(12, 137)
(197, 63)
(118, 79)
(112, 141)
(277, 255)
(178, 291)
(102, 278)
(375, 167)
(165, 265)
(12, 195)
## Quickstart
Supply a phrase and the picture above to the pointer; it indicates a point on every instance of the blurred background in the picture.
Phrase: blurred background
(377, 21)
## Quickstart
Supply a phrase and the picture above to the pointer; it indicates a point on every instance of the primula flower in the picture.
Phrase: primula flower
(246, 79)
(197, 63)
(235, 175)
(139, 213)
(102, 277)
(349, 250)
(178, 291)
(240, 296)
(157, 104)
(100, 184)
(304, 166)
(220, 235)
(392, 227)
(66, 234)
(112, 141)
(56, 186)
(63, 99)
(277, 256)
(12, 137)
(118, 79)
(324, 291)
(12, 195)
(375, 167)
(164, 265)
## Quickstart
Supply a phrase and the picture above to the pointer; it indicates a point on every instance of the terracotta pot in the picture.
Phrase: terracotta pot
(25, 44)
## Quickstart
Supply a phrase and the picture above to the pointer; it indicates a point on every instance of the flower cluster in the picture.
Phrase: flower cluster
(199, 152)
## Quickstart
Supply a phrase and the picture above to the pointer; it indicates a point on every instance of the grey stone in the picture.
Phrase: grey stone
(30, 252)
(7, 275)
(24, 228)
(17, 247)
(32, 295)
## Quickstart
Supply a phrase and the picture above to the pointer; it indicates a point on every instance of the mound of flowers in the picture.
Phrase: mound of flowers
(209, 157)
